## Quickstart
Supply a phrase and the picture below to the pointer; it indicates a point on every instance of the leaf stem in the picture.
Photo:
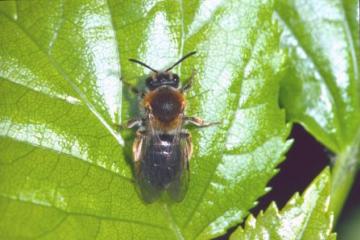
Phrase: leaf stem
(343, 175)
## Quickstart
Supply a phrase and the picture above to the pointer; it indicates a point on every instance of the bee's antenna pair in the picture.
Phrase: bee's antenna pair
(181, 59)
(142, 64)
(175, 64)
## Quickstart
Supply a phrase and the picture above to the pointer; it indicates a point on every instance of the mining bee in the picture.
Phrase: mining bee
(162, 147)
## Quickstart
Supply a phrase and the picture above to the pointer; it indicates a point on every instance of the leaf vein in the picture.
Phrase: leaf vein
(99, 217)
(216, 165)
(72, 84)
(76, 157)
(66, 99)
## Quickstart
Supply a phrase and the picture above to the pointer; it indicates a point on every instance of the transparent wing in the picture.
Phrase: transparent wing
(147, 190)
(178, 187)
(161, 163)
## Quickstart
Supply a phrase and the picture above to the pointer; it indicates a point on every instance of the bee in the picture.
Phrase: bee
(162, 147)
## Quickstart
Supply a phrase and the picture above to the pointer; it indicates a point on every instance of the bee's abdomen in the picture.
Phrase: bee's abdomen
(162, 162)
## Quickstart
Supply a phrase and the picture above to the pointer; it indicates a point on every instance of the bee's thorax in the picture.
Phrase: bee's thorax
(166, 104)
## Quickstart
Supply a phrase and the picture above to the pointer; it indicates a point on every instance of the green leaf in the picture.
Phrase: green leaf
(304, 217)
(321, 87)
(65, 172)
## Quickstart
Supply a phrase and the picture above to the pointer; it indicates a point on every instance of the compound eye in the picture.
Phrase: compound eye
(176, 78)
(150, 83)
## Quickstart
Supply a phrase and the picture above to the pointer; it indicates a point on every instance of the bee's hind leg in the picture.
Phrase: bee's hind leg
(137, 148)
(198, 122)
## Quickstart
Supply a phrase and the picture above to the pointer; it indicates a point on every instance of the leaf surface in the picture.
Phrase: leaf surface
(321, 87)
(304, 217)
(322, 84)
(66, 172)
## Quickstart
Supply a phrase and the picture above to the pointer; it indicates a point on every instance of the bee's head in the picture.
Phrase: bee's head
(160, 78)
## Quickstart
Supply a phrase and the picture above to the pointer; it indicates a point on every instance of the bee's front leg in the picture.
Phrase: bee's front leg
(189, 82)
(134, 89)
(198, 122)
(188, 147)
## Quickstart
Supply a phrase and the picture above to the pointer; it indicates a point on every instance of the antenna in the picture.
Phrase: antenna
(142, 64)
(181, 59)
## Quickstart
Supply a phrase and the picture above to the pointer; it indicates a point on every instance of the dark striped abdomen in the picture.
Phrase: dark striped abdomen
(161, 163)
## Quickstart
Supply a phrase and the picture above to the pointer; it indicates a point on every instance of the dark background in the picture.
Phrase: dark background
(304, 161)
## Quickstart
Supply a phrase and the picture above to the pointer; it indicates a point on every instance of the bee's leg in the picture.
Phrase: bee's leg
(134, 89)
(134, 122)
(198, 122)
(188, 146)
(137, 147)
(189, 82)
